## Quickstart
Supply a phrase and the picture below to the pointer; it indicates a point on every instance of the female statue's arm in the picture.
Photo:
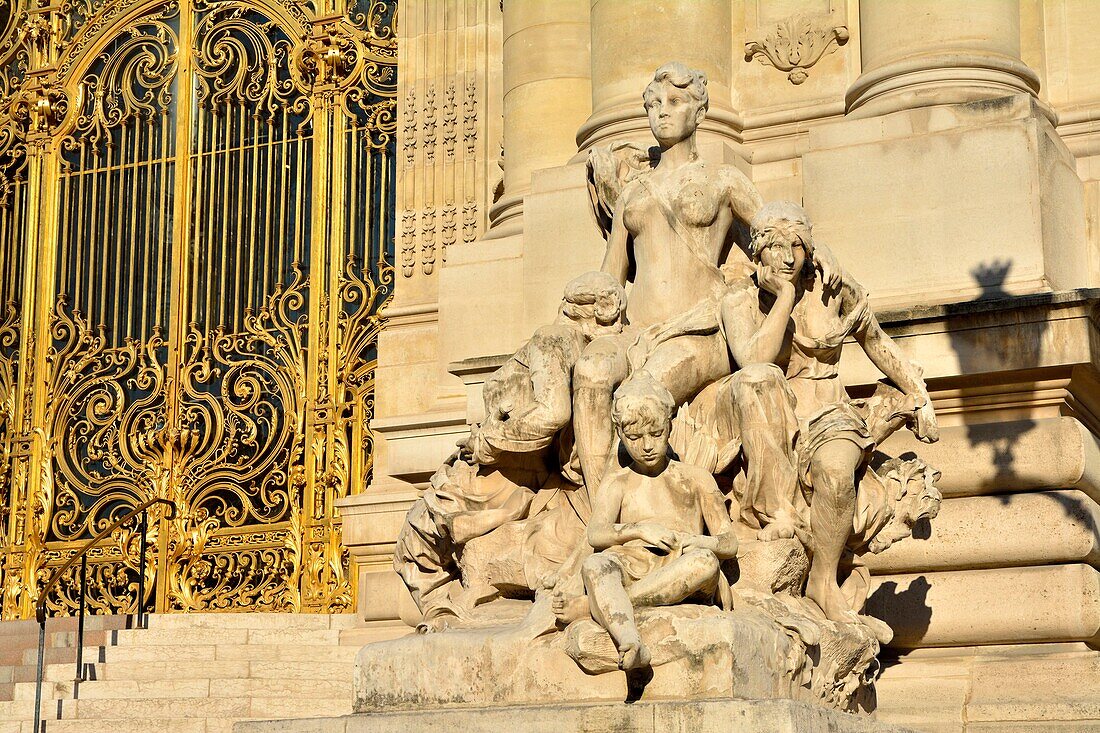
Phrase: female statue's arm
(745, 201)
(743, 196)
(885, 354)
(616, 261)
(747, 343)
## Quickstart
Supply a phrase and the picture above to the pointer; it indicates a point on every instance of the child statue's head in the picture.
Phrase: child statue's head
(596, 301)
(642, 412)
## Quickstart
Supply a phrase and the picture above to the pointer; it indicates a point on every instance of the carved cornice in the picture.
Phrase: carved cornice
(796, 43)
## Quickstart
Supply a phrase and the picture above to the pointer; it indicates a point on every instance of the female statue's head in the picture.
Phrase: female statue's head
(676, 102)
(782, 238)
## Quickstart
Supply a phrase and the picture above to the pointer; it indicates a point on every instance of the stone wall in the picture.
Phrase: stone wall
(950, 155)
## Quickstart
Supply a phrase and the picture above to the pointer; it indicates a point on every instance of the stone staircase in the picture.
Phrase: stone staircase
(185, 673)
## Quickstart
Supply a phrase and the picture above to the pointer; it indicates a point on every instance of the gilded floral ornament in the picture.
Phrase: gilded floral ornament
(329, 56)
(796, 43)
(39, 107)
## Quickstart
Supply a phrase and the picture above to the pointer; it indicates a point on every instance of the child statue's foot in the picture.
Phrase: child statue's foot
(634, 656)
(568, 609)
(780, 529)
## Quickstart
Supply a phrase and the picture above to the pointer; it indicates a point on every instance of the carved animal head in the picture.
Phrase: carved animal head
(912, 486)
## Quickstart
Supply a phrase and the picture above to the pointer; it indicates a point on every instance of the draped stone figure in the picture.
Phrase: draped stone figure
(672, 480)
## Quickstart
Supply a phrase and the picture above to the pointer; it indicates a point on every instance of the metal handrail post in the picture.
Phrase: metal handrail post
(82, 555)
(80, 620)
(38, 683)
(141, 573)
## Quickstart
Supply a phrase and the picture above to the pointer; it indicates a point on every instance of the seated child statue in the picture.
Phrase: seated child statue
(660, 527)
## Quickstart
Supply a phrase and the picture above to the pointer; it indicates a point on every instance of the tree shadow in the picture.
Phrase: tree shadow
(974, 354)
(906, 609)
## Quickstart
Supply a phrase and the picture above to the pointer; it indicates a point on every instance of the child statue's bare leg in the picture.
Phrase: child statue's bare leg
(832, 471)
(682, 578)
(695, 571)
(611, 608)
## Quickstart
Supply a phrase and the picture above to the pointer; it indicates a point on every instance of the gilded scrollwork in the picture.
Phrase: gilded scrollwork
(197, 393)
(240, 424)
(239, 451)
(131, 80)
(244, 58)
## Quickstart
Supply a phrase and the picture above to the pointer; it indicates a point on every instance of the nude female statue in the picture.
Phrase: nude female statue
(671, 232)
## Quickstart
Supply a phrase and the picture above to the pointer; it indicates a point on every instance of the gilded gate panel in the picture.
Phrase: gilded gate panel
(216, 230)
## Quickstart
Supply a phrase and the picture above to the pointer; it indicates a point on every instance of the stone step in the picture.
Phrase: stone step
(297, 689)
(56, 655)
(222, 669)
(151, 653)
(181, 637)
(20, 709)
(265, 708)
(12, 647)
(152, 708)
(250, 621)
(302, 670)
(228, 652)
(127, 725)
(119, 689)
(184, 669)
(282, 653)
(29, 627)
(51, 672)
(174, 687)
(227, 637)
(185, 672)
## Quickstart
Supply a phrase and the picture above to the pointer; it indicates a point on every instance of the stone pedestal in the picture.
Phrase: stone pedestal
(708, 716)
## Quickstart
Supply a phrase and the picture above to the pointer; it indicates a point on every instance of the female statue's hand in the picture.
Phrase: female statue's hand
(825, 263)
(927, 429)
(768, 279)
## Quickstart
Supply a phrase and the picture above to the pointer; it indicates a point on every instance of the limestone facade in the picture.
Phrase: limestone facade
(949, 154)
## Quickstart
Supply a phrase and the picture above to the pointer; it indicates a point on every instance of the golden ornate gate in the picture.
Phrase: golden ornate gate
(196, 234)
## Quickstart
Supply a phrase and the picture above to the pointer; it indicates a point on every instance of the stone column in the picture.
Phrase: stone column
(932, 52)
(631, 38)
(546, 95)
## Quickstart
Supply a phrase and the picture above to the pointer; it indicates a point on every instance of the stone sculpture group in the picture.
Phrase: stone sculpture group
(677, 475)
